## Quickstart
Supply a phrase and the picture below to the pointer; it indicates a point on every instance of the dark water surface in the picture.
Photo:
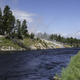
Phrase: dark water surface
(34, 65)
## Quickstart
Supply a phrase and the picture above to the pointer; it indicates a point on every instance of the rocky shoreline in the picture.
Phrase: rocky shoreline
(32, 47)
(9, 48)
(38, 46)
(19, 45)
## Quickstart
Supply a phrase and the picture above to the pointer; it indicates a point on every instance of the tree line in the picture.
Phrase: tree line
(9, 25)
(69, 40)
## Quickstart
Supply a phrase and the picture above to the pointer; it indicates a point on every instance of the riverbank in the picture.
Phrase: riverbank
(28, 44)
(72, 72)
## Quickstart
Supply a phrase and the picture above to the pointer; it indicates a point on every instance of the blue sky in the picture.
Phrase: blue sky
(50, 16)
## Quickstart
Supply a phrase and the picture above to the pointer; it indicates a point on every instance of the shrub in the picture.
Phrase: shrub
(38, 39)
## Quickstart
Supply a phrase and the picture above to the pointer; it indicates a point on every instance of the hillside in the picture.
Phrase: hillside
(28, 44)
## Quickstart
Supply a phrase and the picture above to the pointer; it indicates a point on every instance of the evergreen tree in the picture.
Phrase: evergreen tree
(32, 35)
(51, 37)
(71, 40)
(18, 25)
(9, 19)
(24, 28)
(1, 22)
(59, 37)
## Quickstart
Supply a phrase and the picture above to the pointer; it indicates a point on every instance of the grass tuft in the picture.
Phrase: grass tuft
(72, 72)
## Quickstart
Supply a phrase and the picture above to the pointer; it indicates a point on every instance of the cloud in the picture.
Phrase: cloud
(75, 34)
(21, 15)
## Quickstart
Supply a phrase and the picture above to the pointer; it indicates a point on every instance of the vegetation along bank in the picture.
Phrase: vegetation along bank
(72, 72)
(15, 36)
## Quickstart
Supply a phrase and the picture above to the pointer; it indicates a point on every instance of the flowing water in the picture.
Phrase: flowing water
(34, 65)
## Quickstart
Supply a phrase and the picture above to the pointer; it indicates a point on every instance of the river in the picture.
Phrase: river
(34, 65)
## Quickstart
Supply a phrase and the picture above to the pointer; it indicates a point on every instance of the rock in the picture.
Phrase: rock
(9, 48)
(56, 78)
(42, 47)
(32, 47)
(1, 36)
(38, 47)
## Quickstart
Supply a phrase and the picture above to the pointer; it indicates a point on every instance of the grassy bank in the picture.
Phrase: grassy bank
(72, 72)
(29, 42)
(6, 43)
(25, 44)
(18, 43)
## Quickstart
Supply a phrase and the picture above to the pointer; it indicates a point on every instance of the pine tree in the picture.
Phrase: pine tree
(9, 19)
(18, 26)
(1, 22)
(59, 37)
(32, 35)
(24, 28)
(51, 37)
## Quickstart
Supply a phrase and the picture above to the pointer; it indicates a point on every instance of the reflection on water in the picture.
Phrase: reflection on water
(34, 65)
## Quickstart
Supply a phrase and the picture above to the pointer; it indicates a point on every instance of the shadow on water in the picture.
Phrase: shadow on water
(34, 65)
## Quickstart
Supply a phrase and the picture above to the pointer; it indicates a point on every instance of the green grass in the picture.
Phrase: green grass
(72, 72)
(29, 42)
(26, 41)
(7, 42)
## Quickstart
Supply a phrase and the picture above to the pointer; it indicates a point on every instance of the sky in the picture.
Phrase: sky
(50, 16)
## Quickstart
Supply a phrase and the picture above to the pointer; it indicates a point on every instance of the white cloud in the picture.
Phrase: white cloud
(64, 34)
(76, 34)
(23, 15)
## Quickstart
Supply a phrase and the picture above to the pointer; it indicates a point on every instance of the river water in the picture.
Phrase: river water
(34, 65)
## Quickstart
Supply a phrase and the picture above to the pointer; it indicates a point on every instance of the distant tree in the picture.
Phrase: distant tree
(67, 40)
(71, 40)
(40, 35)
(63, 39)
(55, 36)
(75, 40)
(8, 19)
(24, 28)
(51, 37)
(59, 37)
(32, 35)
